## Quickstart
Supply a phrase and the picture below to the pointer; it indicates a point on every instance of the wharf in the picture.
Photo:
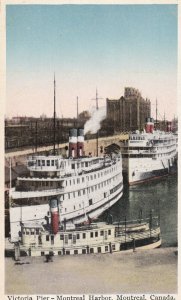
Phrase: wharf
(143, 271)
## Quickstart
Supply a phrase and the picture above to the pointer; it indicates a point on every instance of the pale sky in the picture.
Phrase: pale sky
(107, 47)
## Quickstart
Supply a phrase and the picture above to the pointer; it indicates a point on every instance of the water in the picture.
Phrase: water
(160, 197)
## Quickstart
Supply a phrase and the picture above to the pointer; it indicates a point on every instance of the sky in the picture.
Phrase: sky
(89, 47)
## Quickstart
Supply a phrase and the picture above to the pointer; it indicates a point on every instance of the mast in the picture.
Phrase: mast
(77, 110)
(54, 117)
(97, 134)
(156, 114)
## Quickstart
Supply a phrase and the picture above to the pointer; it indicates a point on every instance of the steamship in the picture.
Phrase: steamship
(55, 239)
(150, 154)
(84, 186)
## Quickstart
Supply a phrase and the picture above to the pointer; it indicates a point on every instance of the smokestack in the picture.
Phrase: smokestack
(80, 142)
(54, 215)
(73, 142)
(169, 126)
(149, 126)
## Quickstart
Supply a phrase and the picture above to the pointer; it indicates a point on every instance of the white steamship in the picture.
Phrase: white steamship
(150, 154)
(83, 186)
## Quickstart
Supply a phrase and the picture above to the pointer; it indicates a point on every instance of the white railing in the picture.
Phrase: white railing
(33, 194)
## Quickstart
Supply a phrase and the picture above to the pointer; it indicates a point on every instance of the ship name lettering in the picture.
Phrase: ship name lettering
(157, 297)
(131, 297)
(101, 297)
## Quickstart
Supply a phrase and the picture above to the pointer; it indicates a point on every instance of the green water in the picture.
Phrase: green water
(158, 197)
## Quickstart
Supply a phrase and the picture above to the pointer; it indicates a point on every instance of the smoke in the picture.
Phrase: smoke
(94, 123)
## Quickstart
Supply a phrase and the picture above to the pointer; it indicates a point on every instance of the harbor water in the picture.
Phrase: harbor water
(158, 197)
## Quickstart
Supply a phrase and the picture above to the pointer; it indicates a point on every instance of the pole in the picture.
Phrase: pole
(54, 116)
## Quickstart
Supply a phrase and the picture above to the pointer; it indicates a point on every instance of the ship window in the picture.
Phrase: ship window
(109, 232)
(69, 195)
(92, 188)
(73, 166)
(90, 201)
(98, 175)
(92, 234)
(84, 235)
(67, 252)
(38, 162)
(94, 176)
(99, 249)
(91, 177)
(86, 164)
(106, 248)
(47, 238)
(42, 253)
(70, 182)
(61, 237)
(70, 236)
(75, 251)
(66, 239)
(113, 247)
(74, 239)
(102, 232)
(32, 232)
(73, 181)
(91, 250)
(83, 179)
(83, 192)
(96, 234)
(52, 162)
(82, 164)
(96, 187)
(78, 236)
(83, 251)
(59, 252)
(37, 231)
(65, 209)
(74, 194)
(74, 207)
(78, 165)
(46, 183)
(48, 162)
(43, 162)
(78, 180)
(79, 193)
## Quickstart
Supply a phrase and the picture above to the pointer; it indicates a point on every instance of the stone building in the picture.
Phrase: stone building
(129, 112)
